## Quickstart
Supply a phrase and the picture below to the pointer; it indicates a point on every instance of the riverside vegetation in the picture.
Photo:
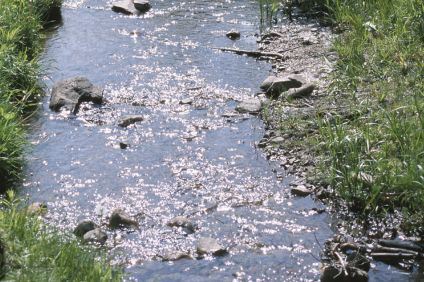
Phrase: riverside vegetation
(368, 129)
(30, 251)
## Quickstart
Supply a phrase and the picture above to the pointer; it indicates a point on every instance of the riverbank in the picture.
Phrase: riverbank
(357, 140)
(28, 250)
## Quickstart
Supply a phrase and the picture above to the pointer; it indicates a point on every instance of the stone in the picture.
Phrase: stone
(123, 145)
(186, 101)
(183, 222)
(208, 245)
(333, 274)
(37, 208)
(125, 7)
(277, 140)
(176, 255)
(301, 191)
(274, 86)
(119, 219)
(84, 227)
(70, 93)
(301, 92)
(95, 236)
(142, 5)
(233, 34)
(128, 120)
(252, 106)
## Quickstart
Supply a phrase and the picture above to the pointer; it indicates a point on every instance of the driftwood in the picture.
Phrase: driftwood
(392, 257)
(380, 249)
(408, 245)
(255, 54)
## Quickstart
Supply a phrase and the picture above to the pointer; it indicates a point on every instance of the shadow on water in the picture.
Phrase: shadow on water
(195, 159)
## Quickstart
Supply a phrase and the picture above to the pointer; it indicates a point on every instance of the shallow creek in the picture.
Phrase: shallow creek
(196, 159)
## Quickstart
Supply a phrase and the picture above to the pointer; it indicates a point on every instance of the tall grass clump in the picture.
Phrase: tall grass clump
(35, 253)
(376, 161)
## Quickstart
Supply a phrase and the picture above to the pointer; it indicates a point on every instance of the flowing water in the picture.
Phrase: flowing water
(197, 159)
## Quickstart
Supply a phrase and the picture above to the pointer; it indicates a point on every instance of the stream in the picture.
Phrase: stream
(196, 158)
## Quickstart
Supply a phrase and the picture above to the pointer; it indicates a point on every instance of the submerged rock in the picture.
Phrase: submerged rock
(210, 246)
(142, 5)
(120, 219)
(251, 106)
(233, 34)
(186, 101)
(70, 93)
(301, 191)
(95, 236)
(183, 222)
(128, 120)
(84, 227)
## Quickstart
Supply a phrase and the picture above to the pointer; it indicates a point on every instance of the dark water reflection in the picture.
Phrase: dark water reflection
(183, 159)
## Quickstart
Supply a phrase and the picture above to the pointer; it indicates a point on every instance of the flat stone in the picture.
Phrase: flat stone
(277, 140)
(84, 227)
(301, 92)
(251, 106)
(183, 222)
(186, 101)
(70, 93)
(95, 236)
(233, 34)
(301, 191)
(176, 255)
(142, 5)
(128, 120)
(125, 7)
(210, 246)
(119, 219)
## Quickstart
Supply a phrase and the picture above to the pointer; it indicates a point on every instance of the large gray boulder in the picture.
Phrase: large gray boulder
(70, 93)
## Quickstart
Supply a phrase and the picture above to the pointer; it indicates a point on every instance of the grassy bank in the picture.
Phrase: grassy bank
(375, 158)
(371, 147)
(32, 251)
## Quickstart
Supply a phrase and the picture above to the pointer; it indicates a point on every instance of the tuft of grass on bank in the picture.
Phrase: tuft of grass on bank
(36, 253)
(33, 252)
(376, 160)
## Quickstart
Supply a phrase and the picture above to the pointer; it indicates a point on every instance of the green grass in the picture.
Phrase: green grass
(376, 161)
(372, 153)
(34, 252)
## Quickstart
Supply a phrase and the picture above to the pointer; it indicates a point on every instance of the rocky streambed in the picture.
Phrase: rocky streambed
(167, 170)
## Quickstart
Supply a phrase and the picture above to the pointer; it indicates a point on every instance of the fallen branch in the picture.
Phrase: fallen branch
(342, 264)
(394, 257)
(255, 54)
(380, 249)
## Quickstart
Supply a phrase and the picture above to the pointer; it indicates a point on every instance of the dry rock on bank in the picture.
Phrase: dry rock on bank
(70, 93)
(252, 106)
